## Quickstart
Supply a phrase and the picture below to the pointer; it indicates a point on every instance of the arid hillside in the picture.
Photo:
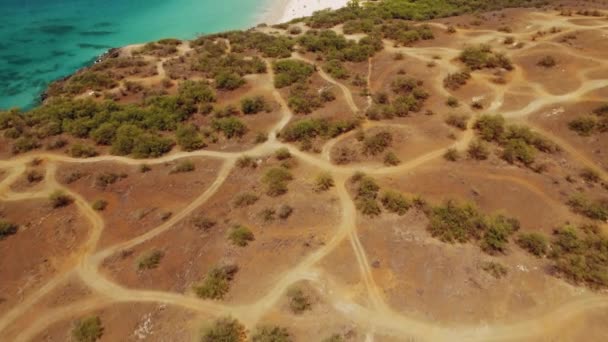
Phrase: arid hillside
(389, 171)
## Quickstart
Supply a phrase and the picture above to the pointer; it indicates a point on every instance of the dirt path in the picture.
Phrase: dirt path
(376, 316)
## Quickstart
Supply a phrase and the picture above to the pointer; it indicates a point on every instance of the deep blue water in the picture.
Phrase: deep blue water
(43, 40)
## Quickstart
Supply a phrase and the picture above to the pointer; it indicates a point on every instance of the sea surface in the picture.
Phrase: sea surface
(44, 40)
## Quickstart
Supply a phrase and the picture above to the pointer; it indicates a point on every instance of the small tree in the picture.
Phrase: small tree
(451, 154)
(478, 150)
(533, 242)
(184, 166)
(391, 159)
(216, 283)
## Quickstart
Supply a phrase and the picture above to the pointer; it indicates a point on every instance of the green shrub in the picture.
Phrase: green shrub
(7, 229)
(495, 269)
(240, 236)
(216, 283)
(88, 329)
(581, 259)
(595, 210)
(230, 126)
(395, 202)
(59, 199)
(184, 166)
(203, 223)
(149, 260)
(290, 71)
(497, 228)
(518, 150)
(189, 138)
(245, 199)
(367, 192)
(224, 329)
(491, 127)
(391, 159)
(253, 105)
(268, 214)
(377, 143)
(478, 150)
(323, 182)
(534, 243)
(307, 129)
(228, 81)
(24, 144)
(276, 181)
(99, 205)
(336, 69)
(456, 80)
(482, 56)
(271, 334)
(298, 301)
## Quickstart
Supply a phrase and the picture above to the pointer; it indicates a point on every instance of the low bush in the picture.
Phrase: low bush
(34, 176)
(367, 193)
(298, 301)
(7, 229)
(456, 80)
(323, 182)
(253, 105)
(285, 211)
(282, 153)
(88, 329)
(580, 255)
(245, 162)
(593, 209)
(454, 222)
(452, 102)
(334, 338)
(230, 126)
(534, 243)
(224, 329)
(395, 202)
(478, 150)
(547, 62)
(495, 269)
(451, 154)
(482, 56)
(590, 175)
(104, 179)
(391, 159)
(245, 199)
(458, 121)
(307, 129)
(377, 143)
(276, 180)
(184, 166)
(271, 334)
(59, 199)
(584, 126)
(189, 138)
(82, 151)
(203, 223)
(240, 236)
(149, 260)
(290, 71)
(99, 205)
(228, 81)
(216, 283)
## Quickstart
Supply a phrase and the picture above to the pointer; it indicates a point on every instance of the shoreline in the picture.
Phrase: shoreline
(283, 11)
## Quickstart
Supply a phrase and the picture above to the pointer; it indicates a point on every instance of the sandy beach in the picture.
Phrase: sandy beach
(286, 10)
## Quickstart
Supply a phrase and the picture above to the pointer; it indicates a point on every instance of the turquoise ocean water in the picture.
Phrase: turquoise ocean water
(43, 40)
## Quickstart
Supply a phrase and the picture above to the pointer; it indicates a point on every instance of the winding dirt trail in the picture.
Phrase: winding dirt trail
(376, 317)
